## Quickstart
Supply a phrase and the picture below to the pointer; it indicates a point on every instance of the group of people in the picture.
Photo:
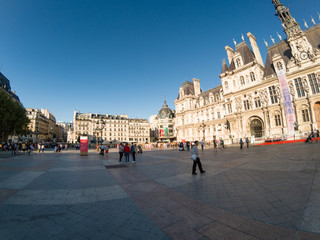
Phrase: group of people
(313, 136)
(125, 149)
(241, 142)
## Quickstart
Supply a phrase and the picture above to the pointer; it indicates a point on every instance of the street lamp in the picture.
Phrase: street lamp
(202, 126)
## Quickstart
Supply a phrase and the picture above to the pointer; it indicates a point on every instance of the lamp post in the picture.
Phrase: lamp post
(202, 126)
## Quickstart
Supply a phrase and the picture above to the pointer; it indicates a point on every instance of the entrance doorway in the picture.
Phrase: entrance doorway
(256, 128)
(317, 113)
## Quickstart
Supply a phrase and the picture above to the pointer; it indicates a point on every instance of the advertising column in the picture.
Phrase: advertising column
(287, 101)
(83, 146)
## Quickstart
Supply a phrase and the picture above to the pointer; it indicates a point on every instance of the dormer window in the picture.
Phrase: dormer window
(242, 82)
(226, 85)
(238, 63)
(253, 77)
(279, 66)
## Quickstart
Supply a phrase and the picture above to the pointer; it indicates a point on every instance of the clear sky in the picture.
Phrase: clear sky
(123, 56)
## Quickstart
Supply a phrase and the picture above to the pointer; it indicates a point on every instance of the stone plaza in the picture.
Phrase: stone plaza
(262, 192)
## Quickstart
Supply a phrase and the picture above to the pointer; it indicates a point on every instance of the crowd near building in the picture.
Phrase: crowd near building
(261, 100)
(105, 127)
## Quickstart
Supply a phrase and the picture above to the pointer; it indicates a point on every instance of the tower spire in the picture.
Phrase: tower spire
(290, 25)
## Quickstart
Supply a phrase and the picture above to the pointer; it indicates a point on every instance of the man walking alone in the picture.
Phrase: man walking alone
(196, 159)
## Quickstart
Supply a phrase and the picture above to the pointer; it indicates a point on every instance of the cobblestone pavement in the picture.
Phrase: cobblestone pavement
(270, 192)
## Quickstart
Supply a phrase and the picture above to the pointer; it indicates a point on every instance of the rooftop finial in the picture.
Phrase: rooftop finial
(265, 42)
(272, 39)
(235, 43)
(313, 21)
(305, 24)
(242, 36)
(279, 36)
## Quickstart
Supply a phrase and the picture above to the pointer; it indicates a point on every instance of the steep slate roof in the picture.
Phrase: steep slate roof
(246, 54)
(283, 48)
(188, 89)
(225, 67)
(212, 90)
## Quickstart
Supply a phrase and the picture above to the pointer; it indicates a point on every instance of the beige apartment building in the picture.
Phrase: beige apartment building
(100, 127)
(43, 126)
(276, 99)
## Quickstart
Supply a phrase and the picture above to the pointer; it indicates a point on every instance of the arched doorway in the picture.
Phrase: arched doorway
(256, 128)
(317, 113)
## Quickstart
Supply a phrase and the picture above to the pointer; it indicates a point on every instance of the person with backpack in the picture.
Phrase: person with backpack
(241, 143)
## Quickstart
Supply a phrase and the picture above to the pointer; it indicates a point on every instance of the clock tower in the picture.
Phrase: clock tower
(299, 44)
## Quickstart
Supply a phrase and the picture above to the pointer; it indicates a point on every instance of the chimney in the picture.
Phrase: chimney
(230, 53)
(255, 48)
(196, 86)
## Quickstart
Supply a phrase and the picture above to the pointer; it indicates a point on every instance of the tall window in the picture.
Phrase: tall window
(273, 94)
(252, 76)
(277, 120)
(238, 62)
(226, 85)
(313, 83)
(242, 82)
(305, 115)
(218, 115)
(299, 87)
(246, 105)
(257, 102)
(279, 66)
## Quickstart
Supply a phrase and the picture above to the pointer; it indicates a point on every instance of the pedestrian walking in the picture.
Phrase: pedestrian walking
(121, 149)
(127, 152)
(215, 146)
(196, 159)
(247, 141)
(241, 143)
(133, 152)
(317, 135)
(101, 150)
(42, 148)
(202, 144)
(107, 149)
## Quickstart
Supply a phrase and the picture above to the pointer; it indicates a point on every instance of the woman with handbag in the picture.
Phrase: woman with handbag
(196, 159)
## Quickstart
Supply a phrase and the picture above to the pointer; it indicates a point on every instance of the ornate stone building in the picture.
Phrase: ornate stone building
(162, 125)
(100, 127)
(257, 100)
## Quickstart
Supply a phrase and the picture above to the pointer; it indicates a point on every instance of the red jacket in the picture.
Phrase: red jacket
(127, 149)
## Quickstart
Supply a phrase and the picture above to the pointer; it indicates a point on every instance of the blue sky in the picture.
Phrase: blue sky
(123, 56)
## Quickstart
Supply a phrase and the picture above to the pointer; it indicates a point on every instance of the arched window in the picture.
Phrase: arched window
(226, 85)
(242, 82)
(279, 66)
(253, 77)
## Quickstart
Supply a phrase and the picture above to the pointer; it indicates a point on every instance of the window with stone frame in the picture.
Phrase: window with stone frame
(279, 66)
(242, 82)
(277, 120)
(246, 105)
(305, 115)
(299, 87)
(234, 83)
(257, 102)
(218, 115)
(253, 77)
(226, 85)
(273, 94)
(238, 62)
(313, 83)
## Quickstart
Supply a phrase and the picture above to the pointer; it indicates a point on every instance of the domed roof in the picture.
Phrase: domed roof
(165, 111)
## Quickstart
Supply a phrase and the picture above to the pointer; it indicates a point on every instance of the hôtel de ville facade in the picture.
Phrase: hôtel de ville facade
(257, 99)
